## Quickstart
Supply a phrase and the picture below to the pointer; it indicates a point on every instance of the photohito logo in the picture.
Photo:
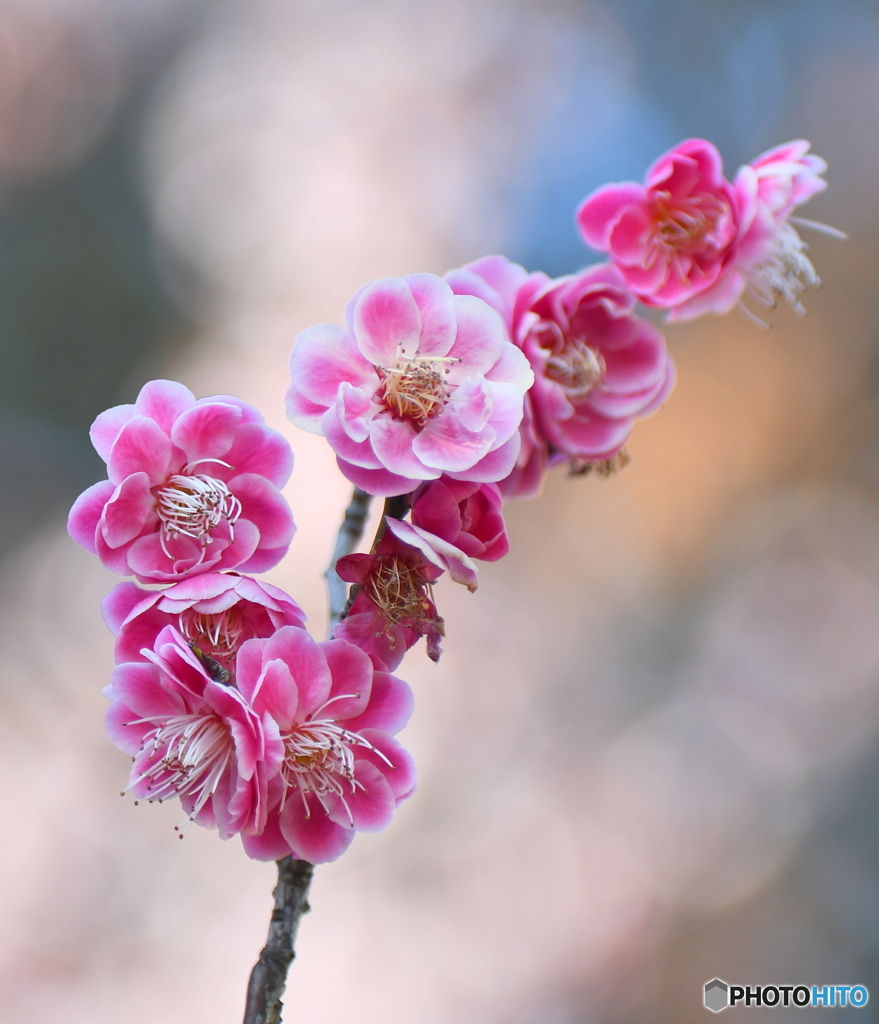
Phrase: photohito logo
(719, 995)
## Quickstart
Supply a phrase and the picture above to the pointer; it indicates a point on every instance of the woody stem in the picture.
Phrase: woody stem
(268, 979)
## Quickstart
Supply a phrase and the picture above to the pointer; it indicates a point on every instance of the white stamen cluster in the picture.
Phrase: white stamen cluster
(192, 506)
(188, 755)
(216, 633)
(785, 273)
(319, 759)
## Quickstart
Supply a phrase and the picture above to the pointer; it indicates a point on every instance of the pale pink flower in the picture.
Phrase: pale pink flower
(193, 487)
(421, 383)
(509, 288)
(194, 738)
(393, 607)
(341, 769)
(597, 367)
(215, 612)
(672, 237)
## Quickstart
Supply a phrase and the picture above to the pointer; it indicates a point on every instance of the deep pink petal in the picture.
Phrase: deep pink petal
(276, 693)
(390, 705)
(352, 674)
(601, 208)
(206, 432)
(163, 401)
(401, 777)
(141, 446)
(307, 664)
(106, 427)
(316, 838)
(122, 600)
(86, 513)
(367, 809)
(270, 844)
(264, 506)
(128, 511)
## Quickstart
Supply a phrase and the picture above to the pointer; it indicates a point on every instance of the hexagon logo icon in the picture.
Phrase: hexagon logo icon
(716, 995)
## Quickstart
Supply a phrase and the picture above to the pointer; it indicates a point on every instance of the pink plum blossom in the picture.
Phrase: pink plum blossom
(770, 261)
(393, 606)
(194, 738)
(341, 770)
(598, 368)
(217, 612)
(672, 237)
(454, 522)
(692, 242)
(192, 488)
(421, 383)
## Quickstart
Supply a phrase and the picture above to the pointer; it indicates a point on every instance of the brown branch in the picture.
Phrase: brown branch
(268, 979)
(350, 533)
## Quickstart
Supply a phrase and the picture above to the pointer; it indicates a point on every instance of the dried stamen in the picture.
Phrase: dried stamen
(400, 590)
(415, 389)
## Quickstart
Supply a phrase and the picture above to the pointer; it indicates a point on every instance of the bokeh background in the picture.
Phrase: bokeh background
(649, 755)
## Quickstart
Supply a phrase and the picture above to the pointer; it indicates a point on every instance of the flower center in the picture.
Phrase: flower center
(219, 633)
(319, 759)
(684, 224)
(577, 368)
(415, 389)
(188, 755)
(192, 506)
(785, 273)
(400, 590)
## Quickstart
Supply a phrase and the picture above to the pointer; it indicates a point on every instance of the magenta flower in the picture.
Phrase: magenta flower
(217, 612)
(341, 769)
(598, 369)
(771, 261)
(422, 383)
(692, 242)
(672, 237)
(393, 606)
(194, 738)
(193, 487)
(453, 522)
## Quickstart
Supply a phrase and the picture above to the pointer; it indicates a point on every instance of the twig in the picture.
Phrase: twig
(350, 533)
(268, 979)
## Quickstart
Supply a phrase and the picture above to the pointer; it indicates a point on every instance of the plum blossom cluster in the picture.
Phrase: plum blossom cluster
(494, 374)
(445, 396)
(220, 696)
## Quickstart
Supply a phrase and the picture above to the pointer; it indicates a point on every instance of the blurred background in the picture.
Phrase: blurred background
(649, 755)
